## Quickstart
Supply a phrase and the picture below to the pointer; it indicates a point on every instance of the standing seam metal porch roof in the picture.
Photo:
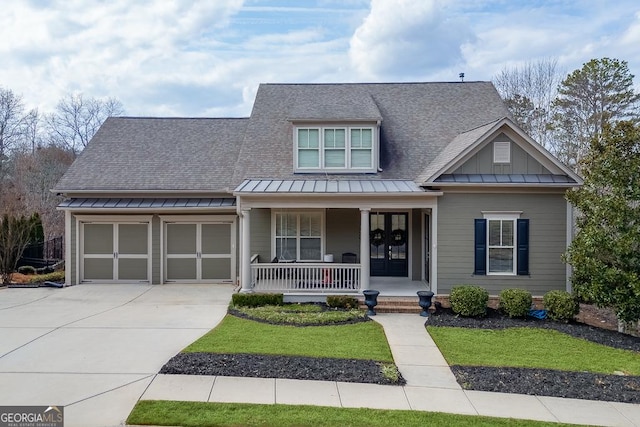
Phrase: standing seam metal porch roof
(351, 186)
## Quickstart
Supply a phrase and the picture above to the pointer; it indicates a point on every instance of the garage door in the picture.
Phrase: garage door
(198, 252)
(115, 252)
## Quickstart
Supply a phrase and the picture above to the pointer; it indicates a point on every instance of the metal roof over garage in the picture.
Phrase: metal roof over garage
(327, 186)
(147, 203)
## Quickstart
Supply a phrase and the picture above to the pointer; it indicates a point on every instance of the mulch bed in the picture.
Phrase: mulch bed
(545, 382)
(289, 367)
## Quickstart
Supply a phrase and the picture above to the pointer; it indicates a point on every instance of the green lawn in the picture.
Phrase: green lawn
(201, 414)
(364, 340)
(531, 348)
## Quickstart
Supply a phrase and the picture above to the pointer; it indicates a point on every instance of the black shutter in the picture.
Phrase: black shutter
(523, 247)
(480, 264)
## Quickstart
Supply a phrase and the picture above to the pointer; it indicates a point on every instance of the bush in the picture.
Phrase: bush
(515, 302)
(342, 301)
(56, 276)
(469, 300)
(27, 269)
(256, 300)
(561, 305)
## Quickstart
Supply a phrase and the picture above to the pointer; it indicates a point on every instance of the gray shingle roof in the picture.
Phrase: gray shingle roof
(157, 154)
(418, 121)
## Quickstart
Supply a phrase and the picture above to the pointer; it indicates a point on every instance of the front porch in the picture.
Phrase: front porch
(382, 239)
(326, 278)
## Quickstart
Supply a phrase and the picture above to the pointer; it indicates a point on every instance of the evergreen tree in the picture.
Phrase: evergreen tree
(605, 254)
(598, 93)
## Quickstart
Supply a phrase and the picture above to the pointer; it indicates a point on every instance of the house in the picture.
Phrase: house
(325, 188)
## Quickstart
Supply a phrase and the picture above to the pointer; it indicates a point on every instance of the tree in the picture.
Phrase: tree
(598, 93)
(34, 174)
(77, 119)
(529, 91)
(11, 123)
(605, 254)
(15, 233)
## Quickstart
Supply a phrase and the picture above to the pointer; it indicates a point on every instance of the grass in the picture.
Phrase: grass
(301, 314)
(200, 414)
(363, 340)
(531, 348)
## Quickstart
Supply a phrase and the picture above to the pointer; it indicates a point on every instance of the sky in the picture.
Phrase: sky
(206, 58)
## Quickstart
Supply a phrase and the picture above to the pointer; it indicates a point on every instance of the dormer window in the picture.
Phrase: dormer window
(332, 148)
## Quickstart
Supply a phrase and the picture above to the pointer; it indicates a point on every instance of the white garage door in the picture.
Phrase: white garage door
(115, 252)
(198, 252)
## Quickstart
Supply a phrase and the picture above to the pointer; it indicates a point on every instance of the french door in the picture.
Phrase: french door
(388, 244)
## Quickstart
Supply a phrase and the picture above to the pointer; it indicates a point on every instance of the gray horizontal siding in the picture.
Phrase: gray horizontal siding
(343, 232)
(261, 234)
(547, 240)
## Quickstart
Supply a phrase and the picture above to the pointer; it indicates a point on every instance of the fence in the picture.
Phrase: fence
(43, 254)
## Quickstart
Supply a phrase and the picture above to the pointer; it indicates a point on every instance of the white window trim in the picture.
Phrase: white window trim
(502, 152)
(297, 212)
(504, 216)
(348, 150)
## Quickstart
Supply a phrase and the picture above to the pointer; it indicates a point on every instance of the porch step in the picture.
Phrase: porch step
(394, 305)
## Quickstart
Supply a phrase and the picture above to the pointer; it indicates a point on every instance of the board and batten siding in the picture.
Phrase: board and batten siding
(547, 240)
(482, 161)
(342, 232)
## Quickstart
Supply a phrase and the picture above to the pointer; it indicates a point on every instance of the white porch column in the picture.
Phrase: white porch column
(365, 256)
(245, 257)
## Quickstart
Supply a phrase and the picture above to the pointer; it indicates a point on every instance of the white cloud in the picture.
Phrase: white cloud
(171, 57)
(407, 38)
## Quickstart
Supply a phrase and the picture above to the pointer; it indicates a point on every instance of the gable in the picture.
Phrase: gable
(516, 160)
(497, 153)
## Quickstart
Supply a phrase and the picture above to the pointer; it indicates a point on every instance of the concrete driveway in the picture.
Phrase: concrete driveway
(95, 348)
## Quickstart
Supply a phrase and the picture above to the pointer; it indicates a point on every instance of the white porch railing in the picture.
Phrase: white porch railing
(305, 277)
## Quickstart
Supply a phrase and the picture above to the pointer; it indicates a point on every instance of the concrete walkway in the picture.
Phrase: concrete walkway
(430, 387)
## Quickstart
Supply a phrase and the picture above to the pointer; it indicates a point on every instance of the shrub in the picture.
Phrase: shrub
(56, 276)
(515, 302)
(342, 301)
(27, 269)
(561, 305)
(256, 300)
(469, 300)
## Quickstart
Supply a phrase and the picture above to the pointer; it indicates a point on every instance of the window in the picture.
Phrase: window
(501, 253)
(501, 152)
(298, 236)
(308, 148)
(501, 245)
(335, 148)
